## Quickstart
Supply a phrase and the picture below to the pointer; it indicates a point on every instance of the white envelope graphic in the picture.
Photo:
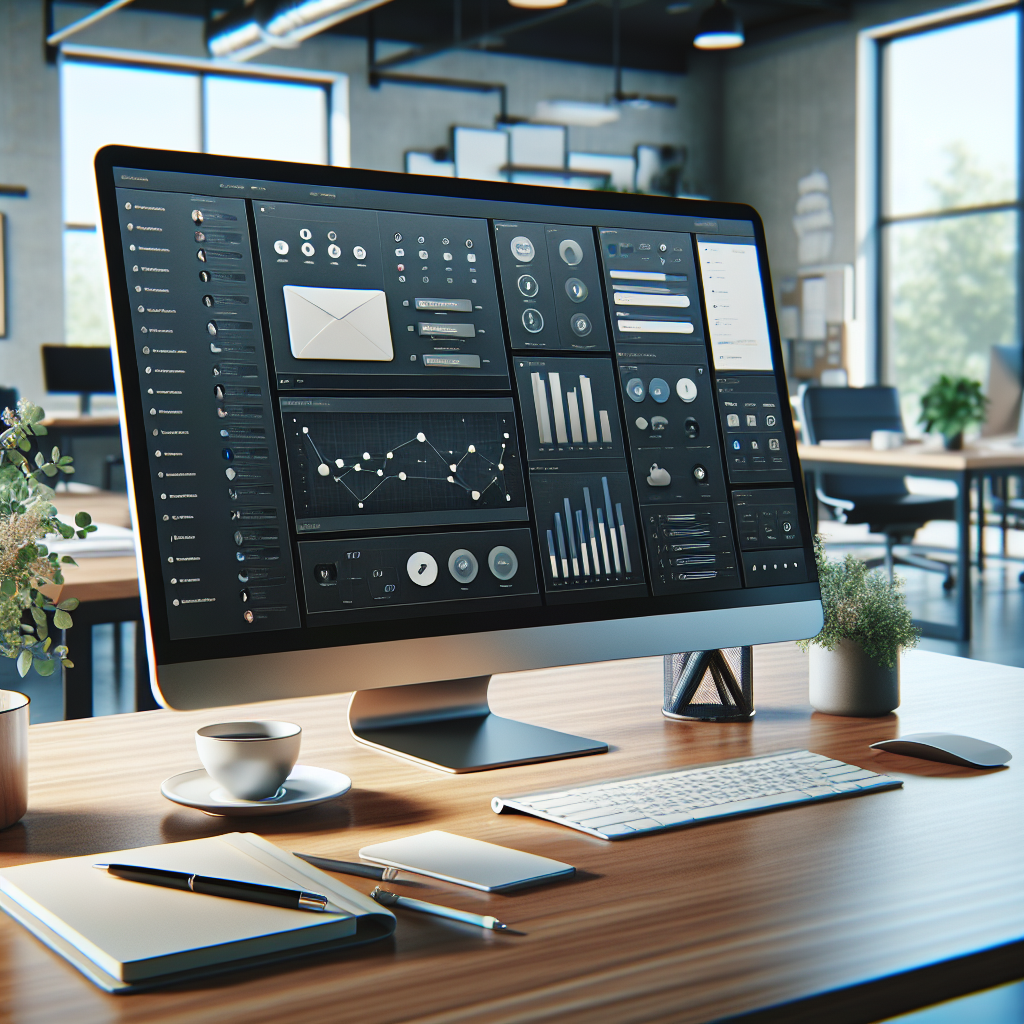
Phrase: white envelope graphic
(338, 323)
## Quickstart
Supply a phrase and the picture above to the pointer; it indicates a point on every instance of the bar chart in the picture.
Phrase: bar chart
(569, 407)
(588, 530)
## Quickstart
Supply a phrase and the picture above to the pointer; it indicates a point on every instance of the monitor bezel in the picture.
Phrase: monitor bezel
(419, 631)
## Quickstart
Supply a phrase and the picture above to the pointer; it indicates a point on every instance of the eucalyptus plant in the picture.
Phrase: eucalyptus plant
(27, 517)
(864, 606)
(951, 405)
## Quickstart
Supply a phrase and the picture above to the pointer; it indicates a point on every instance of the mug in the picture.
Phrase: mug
(883, 440)
(13, 757)
(251, 760)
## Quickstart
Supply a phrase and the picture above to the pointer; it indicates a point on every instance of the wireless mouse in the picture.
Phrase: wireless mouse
(948, 747)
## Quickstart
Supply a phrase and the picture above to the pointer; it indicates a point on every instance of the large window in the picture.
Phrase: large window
(186, 107)
(949, 200)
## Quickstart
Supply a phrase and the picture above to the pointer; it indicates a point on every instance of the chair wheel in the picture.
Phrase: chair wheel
(950, 582)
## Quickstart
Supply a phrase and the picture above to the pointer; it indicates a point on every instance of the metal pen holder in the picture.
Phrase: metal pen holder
(709, 686)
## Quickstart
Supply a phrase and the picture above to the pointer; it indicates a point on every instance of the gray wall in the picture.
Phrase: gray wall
(385, 123)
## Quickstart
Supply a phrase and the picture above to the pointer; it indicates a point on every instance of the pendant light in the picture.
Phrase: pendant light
(719, 28)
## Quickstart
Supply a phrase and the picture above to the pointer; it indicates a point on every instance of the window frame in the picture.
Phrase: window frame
(870, 143)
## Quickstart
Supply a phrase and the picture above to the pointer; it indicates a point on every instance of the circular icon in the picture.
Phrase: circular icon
(580, 325)
(281, 247)
(659, 390)
(421, 239)
(463, 566)
(197, 215)
(201, 255)
(641, 423)
(307, 249)
(422, 568)
(699, 473)
(445, 241)
(332, 236)
(305, 234)
(576, 289)
(522, 248)
(691, 428)
(359, 252)
(502, 562)
(686, 389)
(787, 527)
(333, 251)
(635, 389)
(200, 235)
(528, 286)
(207, 300)
(398, 236)
(570, 251)
(447, 257)
(663, 247)
(533, 321)
(204, 276)
(469, 243)
(212, 328)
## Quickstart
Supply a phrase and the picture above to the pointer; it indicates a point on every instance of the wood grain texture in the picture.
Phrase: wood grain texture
(831, 912)
(976, 457)
(57, 423)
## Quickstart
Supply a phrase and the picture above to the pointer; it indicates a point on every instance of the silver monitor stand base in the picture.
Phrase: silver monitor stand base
(449, 725)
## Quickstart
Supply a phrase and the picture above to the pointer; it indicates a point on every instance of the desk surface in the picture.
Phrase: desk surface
(692, 925)
(994, 453)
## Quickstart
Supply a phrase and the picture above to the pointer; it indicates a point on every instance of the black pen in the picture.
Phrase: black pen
(349, 867)
(251, 892)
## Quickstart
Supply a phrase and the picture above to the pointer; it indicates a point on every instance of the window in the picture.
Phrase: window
(949, 183)
(175, 105)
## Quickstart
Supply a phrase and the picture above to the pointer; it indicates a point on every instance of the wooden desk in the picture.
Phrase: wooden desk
(847, 911)
(108, 589)
(993, 458)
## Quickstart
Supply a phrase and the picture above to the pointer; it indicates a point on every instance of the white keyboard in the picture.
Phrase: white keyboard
(689, 796)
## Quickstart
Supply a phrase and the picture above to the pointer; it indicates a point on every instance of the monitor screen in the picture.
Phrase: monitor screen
(391, 429)
(78, 369)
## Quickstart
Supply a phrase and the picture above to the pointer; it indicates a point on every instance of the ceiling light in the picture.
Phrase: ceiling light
(719, 28)
(575, 112)
(536, 5)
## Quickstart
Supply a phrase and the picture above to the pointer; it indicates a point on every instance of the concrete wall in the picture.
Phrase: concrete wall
(385, 123)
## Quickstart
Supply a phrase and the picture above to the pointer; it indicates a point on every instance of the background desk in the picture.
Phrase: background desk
(847, 911)
(990, 459)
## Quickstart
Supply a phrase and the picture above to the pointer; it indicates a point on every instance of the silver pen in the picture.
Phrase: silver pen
(392, 899)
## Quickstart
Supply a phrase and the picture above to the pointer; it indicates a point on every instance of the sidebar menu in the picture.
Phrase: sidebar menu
(205, 388)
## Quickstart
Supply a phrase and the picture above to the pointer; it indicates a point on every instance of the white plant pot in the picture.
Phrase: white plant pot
(847, 682)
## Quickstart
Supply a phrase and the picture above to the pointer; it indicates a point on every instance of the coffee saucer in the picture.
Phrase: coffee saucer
(305, 787)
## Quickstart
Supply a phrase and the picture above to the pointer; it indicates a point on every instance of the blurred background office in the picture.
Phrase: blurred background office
(880, 142)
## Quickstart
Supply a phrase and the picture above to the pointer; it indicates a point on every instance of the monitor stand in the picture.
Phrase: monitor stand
(449, 725)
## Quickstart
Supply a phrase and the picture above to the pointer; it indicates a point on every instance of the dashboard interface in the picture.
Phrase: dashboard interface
(352, 406)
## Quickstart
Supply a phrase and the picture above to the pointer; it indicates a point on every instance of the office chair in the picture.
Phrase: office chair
(884, 503)
(8, 398)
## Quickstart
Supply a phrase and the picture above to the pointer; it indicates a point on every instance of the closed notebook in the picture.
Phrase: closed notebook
(137, 935)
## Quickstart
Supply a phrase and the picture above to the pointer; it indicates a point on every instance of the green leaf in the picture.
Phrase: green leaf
(24, 444)
(24, 663)
(39, 460)
(67, 663)
(8, 588)
(69, 469)
(50, 470)
(61, 619)
(82, 519)
(67, 560)
(55, 454)
(69, 605)
(45, 666)
(64, 460)
(38, 615)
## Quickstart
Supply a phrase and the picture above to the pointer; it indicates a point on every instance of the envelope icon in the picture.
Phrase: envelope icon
(338, 323)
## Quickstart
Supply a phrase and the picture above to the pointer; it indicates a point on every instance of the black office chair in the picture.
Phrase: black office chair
(884, 503)
(8, 398)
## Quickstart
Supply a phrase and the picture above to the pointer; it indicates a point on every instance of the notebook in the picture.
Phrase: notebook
(125, 935)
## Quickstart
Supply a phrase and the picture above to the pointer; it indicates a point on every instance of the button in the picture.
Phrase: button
(635, 389)
(463, 566)
(700, 474)
(571, 252)
(305, 234)
(770, 421)
(422, 568)
(641, 423)
(659, 390)
(471, 257)
(359, 252)
(399, 252)
(528, 286)
(332, 236)
(522, 248)
(658, 476)
(533, 321)
(383, 582)
(732, 420)
(281, 247)
(686, 389)
(423, 254)
(333, 251)
(691, 428)
(307, 249)
(398, 236)
(447, 257)
(751, 420)
(576, 289)
(580, 325)
(326, 573)
(502, 562)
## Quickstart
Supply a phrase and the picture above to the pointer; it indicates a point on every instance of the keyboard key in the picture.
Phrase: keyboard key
(819, 791)
(677, 818)
(616, 830)
(741, 806)
(610, 816)
(644, 824)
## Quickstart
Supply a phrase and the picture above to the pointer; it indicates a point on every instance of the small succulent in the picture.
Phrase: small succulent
(862, 605)
(27, 517)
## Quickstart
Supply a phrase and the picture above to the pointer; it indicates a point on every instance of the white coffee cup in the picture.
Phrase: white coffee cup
(251, 760)
(13, 757)
(883, 440)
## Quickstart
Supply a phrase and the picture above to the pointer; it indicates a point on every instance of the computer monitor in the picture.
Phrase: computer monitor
(83, 370)
(1005, 385)
(387, 430)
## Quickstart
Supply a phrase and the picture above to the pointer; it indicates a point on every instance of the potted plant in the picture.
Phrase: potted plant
(855, 659)
(27, 517)
(950, 406)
